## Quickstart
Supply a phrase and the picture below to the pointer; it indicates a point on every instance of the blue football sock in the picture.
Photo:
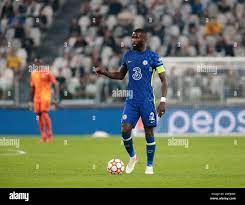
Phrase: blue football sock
(128, 143)
(150, 149)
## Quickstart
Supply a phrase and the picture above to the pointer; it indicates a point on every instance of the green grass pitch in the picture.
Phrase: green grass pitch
(208, 162)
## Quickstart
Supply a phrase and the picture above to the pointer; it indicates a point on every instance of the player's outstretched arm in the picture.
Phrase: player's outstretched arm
(164, 88)
(119, 75)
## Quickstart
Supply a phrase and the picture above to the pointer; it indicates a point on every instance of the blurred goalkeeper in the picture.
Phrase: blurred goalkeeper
(141, 65)
(40, 81)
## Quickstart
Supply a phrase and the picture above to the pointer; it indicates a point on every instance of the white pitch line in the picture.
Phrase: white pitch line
(13, 153)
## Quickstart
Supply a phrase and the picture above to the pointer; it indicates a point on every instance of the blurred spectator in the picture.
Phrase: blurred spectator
(212, 27)
(22, 24)
(74, 27)
(101, 34)
(13, 61)
(197, 7)
(115, 7)
(6, 78)
(19, 31)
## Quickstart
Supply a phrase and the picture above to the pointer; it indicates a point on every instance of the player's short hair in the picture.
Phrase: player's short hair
(140, 30)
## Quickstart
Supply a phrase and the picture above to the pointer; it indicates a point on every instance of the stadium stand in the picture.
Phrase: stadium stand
(23, 25)
(100, 34)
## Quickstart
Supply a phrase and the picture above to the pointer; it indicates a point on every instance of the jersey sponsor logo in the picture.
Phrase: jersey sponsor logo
(137, 73)
(145, 62)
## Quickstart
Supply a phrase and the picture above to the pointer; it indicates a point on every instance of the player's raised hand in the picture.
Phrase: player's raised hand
(161, 109)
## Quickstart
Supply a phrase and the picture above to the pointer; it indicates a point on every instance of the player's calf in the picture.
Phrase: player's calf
(150, 150)
(128, 144)
(127, 139)
(42, 128)
(48, 124)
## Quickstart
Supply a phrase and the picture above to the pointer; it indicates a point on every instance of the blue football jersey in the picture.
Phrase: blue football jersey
(141, 67)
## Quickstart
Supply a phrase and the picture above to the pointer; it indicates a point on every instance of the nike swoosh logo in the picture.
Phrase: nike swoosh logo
(129, 61)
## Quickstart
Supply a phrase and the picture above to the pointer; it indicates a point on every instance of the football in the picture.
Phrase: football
(115, 166)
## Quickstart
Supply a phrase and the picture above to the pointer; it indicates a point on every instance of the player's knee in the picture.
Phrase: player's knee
(44, 114)
(149, 132)
(126, 128)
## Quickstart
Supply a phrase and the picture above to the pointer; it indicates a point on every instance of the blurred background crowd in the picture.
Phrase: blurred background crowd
(99, 32)
(23, 25)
